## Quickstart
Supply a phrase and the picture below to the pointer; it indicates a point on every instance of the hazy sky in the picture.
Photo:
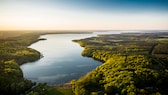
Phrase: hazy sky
(83, 14)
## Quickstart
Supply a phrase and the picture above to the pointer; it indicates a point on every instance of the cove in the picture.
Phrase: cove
(62, 60)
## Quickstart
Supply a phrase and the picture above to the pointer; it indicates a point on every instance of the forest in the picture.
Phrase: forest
(14, 51)
(134, 64)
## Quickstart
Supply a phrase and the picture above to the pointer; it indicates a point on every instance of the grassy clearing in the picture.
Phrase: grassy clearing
(59, 91)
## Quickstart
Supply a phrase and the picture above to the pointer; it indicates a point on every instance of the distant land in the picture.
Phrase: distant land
(134, 63)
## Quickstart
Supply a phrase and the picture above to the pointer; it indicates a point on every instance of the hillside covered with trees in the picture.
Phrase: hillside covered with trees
(134, 63)
(14, 51)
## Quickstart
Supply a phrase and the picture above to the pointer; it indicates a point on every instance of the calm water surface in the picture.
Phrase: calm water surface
(62, 59)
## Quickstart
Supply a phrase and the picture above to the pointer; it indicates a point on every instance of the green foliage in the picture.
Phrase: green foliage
(123, 75)
(11, 80)
(40, 89)
(59, 91)
(160, 50)
(13, 52)
(130, 66)
(43, 89)
(133, 64)
(15, 48)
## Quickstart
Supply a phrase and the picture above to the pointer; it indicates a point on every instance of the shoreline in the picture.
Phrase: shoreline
(41, 55)
(22, 42)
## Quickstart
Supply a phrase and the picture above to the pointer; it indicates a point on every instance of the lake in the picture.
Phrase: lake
(62, 59)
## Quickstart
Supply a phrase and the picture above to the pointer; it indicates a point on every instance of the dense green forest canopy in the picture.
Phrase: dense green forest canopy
(134, 63)
(13, 52)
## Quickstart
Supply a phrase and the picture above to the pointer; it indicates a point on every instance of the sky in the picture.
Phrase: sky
(83, 14)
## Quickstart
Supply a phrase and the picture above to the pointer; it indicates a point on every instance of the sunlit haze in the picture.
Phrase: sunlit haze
(83, 14)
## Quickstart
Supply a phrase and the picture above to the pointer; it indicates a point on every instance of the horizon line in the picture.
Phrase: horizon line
(96, 30)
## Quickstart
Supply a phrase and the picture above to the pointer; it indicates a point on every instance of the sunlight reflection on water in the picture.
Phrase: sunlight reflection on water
(62, 59)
